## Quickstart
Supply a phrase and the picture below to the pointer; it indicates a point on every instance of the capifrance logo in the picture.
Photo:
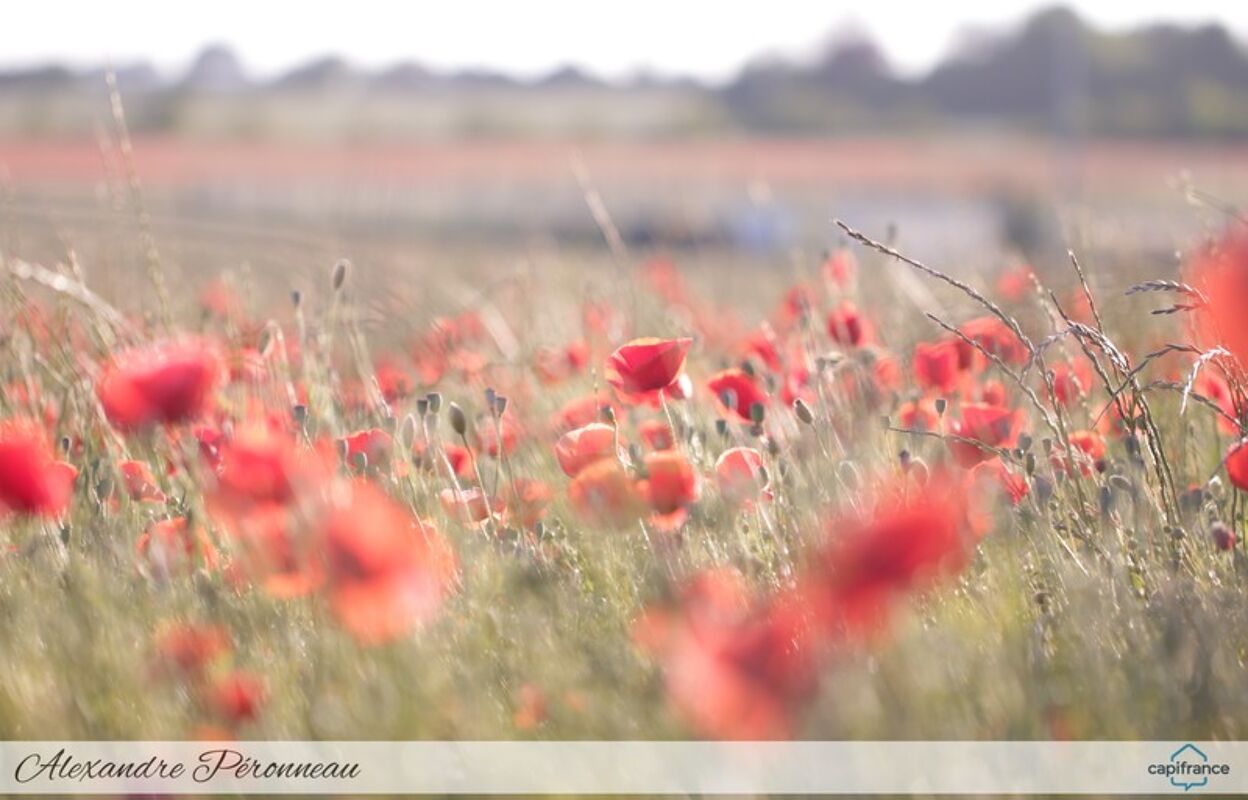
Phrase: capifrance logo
(1189, 768)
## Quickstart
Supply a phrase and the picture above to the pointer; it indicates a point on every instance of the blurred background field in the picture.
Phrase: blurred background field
(1047, 131)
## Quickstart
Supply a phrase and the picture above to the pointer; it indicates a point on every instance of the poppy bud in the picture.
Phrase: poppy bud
(757, 413)
(300, 413)
(422, 407)
(1223, 538)
(435, 402)
(721, 427)
(500, 404)
(339, 276)
(296, 298)
(941, 404)
(459, 423)
(803, 411)
(490, 396)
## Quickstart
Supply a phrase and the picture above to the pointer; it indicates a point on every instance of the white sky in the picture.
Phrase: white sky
(528, 37)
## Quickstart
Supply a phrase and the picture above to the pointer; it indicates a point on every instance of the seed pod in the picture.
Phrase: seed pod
(435, 402)
(757, 413)
(721, 427)
(422, 407)
(490, 395)
(803, 411)
(459, 423)
(339, 275)
(296, 298)
(500, 404)
(941, 405)
(607, 414)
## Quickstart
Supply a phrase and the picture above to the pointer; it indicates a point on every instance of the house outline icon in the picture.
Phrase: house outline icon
(1188, 786)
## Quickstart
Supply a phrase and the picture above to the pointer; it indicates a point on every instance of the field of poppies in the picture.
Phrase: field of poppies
(628, 502)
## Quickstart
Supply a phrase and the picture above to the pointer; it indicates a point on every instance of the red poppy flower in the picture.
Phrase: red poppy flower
(172, 546)
(995, 426)
(284, 559)
(1088, 449)
(140, 482)
(671, 483)
(1211, 385)
(604, 493)
(735, 669)
(577, 449)
(847, 325)
(31, 482)
(919, 415)
(189, 648)
(762, 343)
(936, 365)
(1237, 465)
(839, 268)
(995, 337)
(646, 365)
(238, 697)
(741, 477)
(657, 434)
(167, 382)
(985, 485)
(1072, 380)
(260, 465)
(1221, 272)
(489, 434)
(387, 570)
(914, 536)
(531, 498)
(1014, 284)
(373, 445)
(470, 505)
(737, 392)
(581, 411)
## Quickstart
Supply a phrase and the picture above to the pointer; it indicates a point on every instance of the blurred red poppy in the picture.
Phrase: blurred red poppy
(579, 448)
(1237, 465)
(671, 485)
(839, 268)
(173, 546)
(737, 392)
(238, 697)
(995, 337)
(1013, 284)
(1221, 272)
(936, 365)
(741, 478)
(1088, 450)
(31, 482)
(646, 365)
(995, 426)
(140, 482)
(603, 492)
(387, 571)
(734, 668)
(374, 446)
(1072, 380)
(188, 648)
(166, 382)
(919, 415)
(657, 434)
(914, 536)
(848, 326)
(470, 505)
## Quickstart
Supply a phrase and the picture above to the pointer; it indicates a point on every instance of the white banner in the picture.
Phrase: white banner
(119, 768)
